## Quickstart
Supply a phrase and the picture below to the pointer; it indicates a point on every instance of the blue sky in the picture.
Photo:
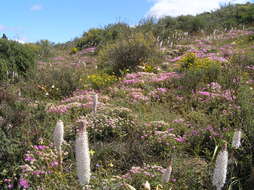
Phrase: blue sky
(63, 20)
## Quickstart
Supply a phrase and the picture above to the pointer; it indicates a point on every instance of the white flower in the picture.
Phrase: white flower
(95, 103)
(166, 176)
(236, 141)
(82, 157)
(220, 170)
(58, 135)
(147, 186)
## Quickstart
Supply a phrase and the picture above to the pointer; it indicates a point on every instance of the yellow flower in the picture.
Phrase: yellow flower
(110, 164)
(91, 152)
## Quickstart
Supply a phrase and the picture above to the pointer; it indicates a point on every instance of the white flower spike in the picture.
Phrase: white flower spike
(147, 186)
(58, 135)
(236, 141)
(95, 103)
(220, 170)
(167, 173)
(82, 155)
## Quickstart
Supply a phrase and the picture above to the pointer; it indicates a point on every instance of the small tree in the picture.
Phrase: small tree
(4, 37)
(128, 53)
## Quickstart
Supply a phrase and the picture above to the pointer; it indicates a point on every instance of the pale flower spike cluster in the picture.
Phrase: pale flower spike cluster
(58, 138)
(58, 135)
(220, 170)
(166, 176)
(81, 150)
(147, 186)
(236, 141)
(95, 103)
(82, 155)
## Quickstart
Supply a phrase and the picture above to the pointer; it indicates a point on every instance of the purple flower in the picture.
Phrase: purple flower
(39, 147)
(24, 183)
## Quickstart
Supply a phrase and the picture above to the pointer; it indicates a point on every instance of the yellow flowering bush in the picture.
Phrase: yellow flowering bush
(74, 50)
(192, 62)
(101, 80)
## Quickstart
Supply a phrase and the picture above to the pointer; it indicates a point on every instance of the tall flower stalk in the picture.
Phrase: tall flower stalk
(167, 174)
(95, 103)
(82, 155)
(147, 186)
(236, 141)
(220, 170)
(58, 137)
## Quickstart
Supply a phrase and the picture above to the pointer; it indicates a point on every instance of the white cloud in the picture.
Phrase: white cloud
(36, 7)
(184, 7)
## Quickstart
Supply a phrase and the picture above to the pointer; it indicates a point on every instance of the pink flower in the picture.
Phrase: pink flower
(54, 163)
(7, 180)
(24, 183)
(38, 172)
(180, 139)
(29, 158)
(178, 120)
(10, 186)
(204, 93)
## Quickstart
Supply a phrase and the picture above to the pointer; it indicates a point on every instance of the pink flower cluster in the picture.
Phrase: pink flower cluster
(225, 94)
(175, 59)
(58, 58)
(80, 99)
(138, 96)
(160, 131)
(214, 90)
(87, 50)
(41, 160)
(158, 92)
(142, 77)
(24, 183)
(64, 108)
(165, 76)
(135, 78)
(8, 183)
(147, 170)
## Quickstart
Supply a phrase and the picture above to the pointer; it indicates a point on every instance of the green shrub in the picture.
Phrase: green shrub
(91, 38)
(98, 37)
(111, 124)
(15, 58)
(46, 49)
(128, 53)
(53, 83)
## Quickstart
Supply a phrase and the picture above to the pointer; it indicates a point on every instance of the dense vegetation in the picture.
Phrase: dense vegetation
(15, 59)
(171, 93)
(164, 28)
